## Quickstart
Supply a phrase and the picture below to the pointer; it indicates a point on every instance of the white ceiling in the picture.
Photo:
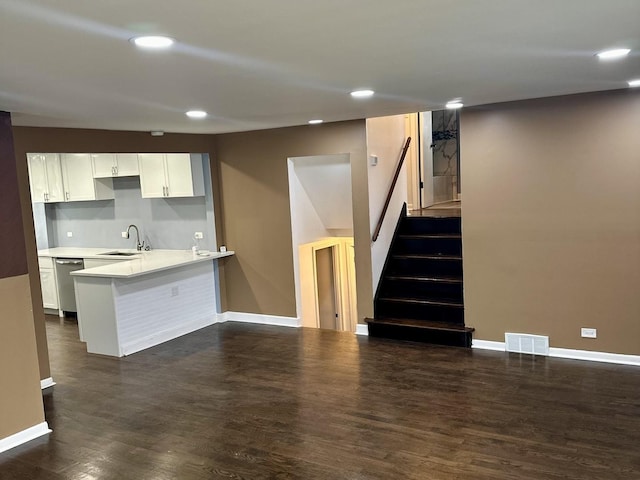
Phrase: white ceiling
(256, 64)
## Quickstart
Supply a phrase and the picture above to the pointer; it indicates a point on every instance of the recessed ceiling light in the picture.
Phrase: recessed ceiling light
(152, 41)
(452, 105)
(612, 54)
(196, 114)
(315, 122)
(634, 83)
(362, 93)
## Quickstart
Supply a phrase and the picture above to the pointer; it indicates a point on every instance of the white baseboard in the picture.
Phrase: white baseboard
(362, 329)
(46, 383)
(166, 335)
(24, 436)
(587, 355)
(260, 318)
(595, 356)
(488, 345)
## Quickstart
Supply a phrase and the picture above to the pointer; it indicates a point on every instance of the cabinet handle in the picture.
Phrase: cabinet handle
(116, 169)
(46, 196)
(113, 170)
(67, 195)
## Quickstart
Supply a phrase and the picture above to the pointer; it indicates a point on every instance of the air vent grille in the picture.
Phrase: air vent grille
(525, 343)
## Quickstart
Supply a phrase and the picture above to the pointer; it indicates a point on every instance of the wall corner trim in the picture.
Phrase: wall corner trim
(46, 383)
(24, 436)
(362, 329)
(260, 319)
(588, 355)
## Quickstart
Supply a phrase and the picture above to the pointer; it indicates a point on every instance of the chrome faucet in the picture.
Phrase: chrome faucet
(139, 245)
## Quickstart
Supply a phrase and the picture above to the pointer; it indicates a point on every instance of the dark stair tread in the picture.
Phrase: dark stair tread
(408, 322)
(429, 257)
(419, 301)
(418, 278)
(430, 235)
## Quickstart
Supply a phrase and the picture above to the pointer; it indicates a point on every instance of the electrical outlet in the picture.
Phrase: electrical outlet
(125, 235)
(175, 291)
(199, 235)
(589, 333)
(69, 234)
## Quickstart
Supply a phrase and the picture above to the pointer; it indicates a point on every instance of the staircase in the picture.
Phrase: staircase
(420, 296)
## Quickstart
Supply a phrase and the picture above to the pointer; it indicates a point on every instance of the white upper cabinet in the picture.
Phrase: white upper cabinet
(78, 180)
(127, 164)
(45, 177)
(152, 176)
(107, 165)
(171, 175)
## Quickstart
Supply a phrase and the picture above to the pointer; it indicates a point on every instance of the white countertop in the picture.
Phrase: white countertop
(141, 263)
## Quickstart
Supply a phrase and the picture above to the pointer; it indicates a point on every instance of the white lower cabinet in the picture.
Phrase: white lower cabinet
(99, 262)
(48, 283)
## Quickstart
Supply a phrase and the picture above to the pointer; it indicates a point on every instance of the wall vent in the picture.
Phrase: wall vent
(525, 343)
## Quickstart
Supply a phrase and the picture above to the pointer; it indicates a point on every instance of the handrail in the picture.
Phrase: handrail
(376, 233)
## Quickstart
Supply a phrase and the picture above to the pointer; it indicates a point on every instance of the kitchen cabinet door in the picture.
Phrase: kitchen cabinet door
(37, 177)
(45, 177)
(127, 164)
(107, 165)
(78, 177)
(49, 288)
(54, 177)
(48, 283)
(179, 178)
(152, 175)
(104, 165)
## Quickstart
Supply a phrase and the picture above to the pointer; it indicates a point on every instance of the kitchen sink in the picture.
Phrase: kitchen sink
(119, 254)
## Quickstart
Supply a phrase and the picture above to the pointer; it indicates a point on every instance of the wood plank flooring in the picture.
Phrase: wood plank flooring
(241, 401)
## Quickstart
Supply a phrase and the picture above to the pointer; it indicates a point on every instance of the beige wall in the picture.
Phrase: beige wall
(20, 400)
(20, 396)
(551, 219)
(256, 212)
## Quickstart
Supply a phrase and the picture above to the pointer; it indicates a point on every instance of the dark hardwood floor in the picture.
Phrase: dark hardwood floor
(240, 401)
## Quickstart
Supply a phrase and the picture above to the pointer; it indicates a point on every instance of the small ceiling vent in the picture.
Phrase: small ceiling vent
(524, 343)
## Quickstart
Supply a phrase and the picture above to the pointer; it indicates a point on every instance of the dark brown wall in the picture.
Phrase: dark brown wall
(12, 244)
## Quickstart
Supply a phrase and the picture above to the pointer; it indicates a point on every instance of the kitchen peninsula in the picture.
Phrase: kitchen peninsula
(150, 298)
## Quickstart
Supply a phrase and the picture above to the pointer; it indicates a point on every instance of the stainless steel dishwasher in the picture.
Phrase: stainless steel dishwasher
(66, 293)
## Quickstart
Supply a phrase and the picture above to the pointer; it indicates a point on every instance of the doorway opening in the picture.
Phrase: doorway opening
(434, 168)
(322, 235)
(328, 284)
